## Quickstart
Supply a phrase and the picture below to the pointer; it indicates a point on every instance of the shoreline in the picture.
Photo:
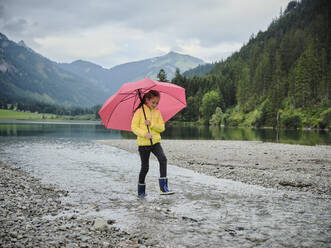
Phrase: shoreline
(271, 165)
(48, 121)
(169, 123)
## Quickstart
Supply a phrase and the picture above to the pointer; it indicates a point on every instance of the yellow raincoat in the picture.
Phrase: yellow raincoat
(139, 127)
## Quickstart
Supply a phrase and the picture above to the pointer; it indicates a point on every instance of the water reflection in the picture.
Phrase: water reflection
(59, 130)
(303, 137)
(96, 131)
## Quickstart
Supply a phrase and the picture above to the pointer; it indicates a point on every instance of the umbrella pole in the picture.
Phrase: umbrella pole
(141, 100)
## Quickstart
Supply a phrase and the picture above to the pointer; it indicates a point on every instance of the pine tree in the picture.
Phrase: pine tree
(243, 88)
(162, 76)
(178, 79)
(307, 79)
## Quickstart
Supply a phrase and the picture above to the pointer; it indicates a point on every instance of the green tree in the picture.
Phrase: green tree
(276, 90)
(243, 88)
(267, 115)
(307, 79)
(216, 118)
(191, 112)
(178, 79)
(162, 76)
(209, 103)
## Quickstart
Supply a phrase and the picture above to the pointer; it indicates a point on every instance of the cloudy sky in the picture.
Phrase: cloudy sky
(112, 32)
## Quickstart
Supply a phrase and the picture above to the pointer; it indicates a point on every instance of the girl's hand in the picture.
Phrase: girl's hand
(147, 122)
(148, 135)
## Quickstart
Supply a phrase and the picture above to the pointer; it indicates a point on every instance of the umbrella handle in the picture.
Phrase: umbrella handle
(141, 100)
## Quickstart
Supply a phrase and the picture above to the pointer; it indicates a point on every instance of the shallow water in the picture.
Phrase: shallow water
(204, 212)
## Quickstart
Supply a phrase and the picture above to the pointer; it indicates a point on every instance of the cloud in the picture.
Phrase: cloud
(15, 25)
(110, 32)
(213, 53)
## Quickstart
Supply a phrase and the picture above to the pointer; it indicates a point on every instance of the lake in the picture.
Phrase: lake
(96, 131)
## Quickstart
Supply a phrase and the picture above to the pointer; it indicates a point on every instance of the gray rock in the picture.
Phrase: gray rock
(111, 222)
(72, 245)
(100, 224)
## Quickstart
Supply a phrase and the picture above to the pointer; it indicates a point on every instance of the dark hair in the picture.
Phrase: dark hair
(150, 94)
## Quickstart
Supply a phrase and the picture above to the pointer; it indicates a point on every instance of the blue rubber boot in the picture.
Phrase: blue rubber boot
(141, 190)
(164, 187)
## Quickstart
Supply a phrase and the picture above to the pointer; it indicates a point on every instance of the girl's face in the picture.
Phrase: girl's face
(152, 102)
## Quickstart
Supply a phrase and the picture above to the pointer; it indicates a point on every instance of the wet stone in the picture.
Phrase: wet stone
(111, 222)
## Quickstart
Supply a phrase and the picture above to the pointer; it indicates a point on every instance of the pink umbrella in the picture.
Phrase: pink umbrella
(118, 110)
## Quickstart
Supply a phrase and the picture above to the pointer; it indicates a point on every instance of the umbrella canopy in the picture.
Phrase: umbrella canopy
(118, 110)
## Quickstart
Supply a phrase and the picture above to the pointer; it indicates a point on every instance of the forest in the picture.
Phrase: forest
(280, 78)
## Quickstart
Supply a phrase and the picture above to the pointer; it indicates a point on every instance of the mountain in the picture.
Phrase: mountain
(151, 67)
(26, 76)
(95, 74)
(111, 79)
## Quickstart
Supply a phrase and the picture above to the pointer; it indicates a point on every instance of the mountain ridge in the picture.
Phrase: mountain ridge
(111, 79)
(27, 76)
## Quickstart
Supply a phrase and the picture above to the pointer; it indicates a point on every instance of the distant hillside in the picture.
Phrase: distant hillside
(199, 70)
(95, 74)
(26, 76)
(111, 79)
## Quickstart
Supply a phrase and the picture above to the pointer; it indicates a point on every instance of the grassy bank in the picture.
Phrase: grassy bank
(11, 115)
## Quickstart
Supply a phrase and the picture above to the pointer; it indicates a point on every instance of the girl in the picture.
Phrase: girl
(148, 139)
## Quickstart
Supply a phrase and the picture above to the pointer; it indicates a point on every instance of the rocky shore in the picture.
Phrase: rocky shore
(272, 165)
(33, 214)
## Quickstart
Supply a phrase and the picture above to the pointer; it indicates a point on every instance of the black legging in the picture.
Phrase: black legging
(145, 152)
